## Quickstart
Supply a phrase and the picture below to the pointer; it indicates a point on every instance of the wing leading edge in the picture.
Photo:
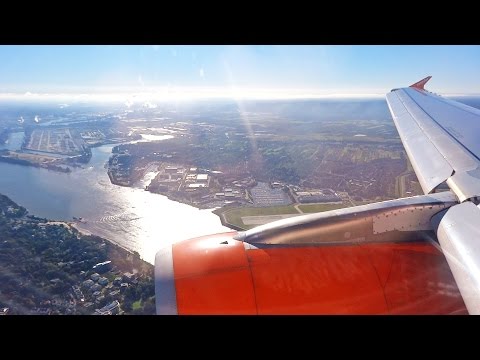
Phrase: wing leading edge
(440, 137)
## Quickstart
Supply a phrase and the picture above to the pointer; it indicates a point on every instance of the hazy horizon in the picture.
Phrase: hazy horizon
(130, 98)
(258, 71)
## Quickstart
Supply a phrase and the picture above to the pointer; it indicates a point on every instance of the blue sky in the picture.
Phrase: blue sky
(301, 69)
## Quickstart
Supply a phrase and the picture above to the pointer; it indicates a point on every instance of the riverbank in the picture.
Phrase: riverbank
(15, 160)
(78, 227)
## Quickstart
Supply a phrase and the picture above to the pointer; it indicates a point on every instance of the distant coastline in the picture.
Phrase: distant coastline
(38, 165)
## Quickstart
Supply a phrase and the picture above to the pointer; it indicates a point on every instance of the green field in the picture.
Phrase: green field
(234, 216)
(358, 203)
(314, 208)
(137, 305)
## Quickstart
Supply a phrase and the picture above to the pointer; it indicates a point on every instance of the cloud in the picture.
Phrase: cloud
(202, 73)
(149, 105)
(140, 80)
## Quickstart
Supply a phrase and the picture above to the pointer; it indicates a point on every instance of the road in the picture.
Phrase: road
(298, 209)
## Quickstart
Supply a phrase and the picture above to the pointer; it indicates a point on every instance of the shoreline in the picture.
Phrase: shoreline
(74, 225)
(22, 162)
(224, 221)
(86, 232)
(215, 210)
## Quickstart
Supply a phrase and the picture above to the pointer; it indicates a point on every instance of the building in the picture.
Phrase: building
(202, 177)
(196, 186)
(78, 293)
(171, 170)
(128, 277)
(103, 266)
(95, 277)
(96, 287)
(318, 196)
(87, 284)
(103, 281)
(4, 311)
(110, 309)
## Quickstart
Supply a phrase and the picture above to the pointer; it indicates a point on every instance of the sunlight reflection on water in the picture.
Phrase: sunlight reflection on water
(133, 218)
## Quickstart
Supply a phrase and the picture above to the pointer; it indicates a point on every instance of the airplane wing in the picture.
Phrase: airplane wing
(442, 140)
(379, 258)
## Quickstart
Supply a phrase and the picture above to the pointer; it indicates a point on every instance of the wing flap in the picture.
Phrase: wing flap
(465, 185)
(459, 234)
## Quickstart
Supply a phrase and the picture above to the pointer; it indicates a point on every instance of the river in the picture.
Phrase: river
(135, 219)
(14, 141)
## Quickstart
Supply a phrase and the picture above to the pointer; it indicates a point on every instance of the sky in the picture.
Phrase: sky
(217, 70)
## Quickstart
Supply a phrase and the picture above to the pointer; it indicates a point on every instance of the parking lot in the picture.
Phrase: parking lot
(264, 195)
